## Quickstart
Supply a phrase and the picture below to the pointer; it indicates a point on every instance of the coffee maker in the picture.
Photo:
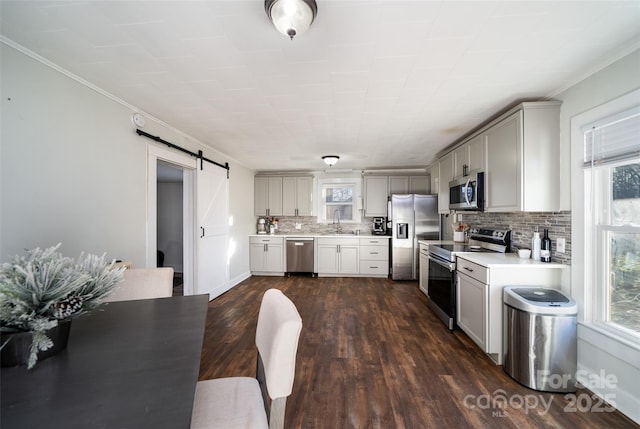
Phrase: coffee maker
(379, 226)
(262, 225)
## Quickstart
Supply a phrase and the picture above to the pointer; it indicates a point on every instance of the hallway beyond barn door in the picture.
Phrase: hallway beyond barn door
(212, 221)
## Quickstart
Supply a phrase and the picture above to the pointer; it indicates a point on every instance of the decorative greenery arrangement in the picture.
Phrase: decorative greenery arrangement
(44, 288)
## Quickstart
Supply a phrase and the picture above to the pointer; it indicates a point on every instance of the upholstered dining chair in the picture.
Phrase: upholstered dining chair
(255, 403)
(143, 283)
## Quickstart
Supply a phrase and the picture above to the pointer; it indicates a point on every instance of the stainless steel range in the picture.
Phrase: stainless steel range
(441, 288)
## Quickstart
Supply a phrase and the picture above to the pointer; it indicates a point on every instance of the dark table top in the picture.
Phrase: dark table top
(128, 364)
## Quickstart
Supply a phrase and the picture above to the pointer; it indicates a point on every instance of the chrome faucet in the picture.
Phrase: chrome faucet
(336, 214)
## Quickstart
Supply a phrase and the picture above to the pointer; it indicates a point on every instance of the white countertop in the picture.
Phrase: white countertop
(316, 235)
(437, 242)
(497, 260)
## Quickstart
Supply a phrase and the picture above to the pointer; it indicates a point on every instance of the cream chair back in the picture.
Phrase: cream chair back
(143, 283)
(277, 334)
(256, 403)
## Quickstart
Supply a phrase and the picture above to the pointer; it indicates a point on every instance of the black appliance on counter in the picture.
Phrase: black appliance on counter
(379, 226)
(441, 287)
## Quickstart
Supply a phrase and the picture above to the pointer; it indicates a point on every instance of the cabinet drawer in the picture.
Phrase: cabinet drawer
(266, 239)
(374, 268)
(347, 241)
(374, 242)
(473, 270)
(376, 253)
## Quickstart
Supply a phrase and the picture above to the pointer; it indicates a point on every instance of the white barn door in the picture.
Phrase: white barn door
(212, 242)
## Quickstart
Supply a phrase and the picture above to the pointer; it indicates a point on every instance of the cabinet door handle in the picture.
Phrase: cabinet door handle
(374, 253)
(202, 229)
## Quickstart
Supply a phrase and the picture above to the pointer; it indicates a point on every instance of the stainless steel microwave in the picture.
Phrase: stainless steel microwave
(467, 193)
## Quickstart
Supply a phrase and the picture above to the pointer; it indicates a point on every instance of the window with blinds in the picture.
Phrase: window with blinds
(613, 139)
(612, 178)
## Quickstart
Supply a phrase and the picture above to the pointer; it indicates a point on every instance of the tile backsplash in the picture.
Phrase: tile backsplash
(522, 225)
(310, 225)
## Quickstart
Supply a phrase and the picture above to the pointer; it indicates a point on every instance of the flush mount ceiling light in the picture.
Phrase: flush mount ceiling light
(330, 160)
(291, 17)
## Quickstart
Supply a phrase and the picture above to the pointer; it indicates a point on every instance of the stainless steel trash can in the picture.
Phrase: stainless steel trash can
(541, 338)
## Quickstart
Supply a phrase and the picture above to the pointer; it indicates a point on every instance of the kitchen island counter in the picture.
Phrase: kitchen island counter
(506, 260)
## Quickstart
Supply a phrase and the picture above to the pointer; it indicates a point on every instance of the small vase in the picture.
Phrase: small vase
(18, 348)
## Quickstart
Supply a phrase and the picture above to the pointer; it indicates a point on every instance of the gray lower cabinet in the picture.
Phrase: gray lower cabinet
(472, 304)
(479, 298)
(352, 256)
(374, 257)
(267, 255)
(338, 256)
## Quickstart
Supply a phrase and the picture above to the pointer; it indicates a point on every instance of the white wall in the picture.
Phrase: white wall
(597, 352)
(611, 82)
(73, 170)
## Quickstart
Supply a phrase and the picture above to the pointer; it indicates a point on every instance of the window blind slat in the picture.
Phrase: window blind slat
(613, 139)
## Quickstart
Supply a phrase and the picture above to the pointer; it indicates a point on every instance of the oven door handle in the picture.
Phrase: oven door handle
(449, 265)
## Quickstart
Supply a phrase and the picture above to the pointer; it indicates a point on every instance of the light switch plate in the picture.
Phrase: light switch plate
(560, 243)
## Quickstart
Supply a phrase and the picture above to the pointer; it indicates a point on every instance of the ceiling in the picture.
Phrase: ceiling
(382, 84)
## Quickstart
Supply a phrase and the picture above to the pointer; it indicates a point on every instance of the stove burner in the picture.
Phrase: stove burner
(481, 240)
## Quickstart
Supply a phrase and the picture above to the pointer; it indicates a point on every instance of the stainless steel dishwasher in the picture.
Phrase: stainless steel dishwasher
(300, 255)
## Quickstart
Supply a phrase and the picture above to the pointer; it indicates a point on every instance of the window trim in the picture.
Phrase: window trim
(597, 224)
(346, 181)
(600, 315)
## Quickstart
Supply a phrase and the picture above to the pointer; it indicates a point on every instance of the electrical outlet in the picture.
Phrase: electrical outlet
(560, 242)
(298, 226)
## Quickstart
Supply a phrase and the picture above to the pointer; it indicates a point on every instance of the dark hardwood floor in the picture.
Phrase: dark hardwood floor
(372, 355)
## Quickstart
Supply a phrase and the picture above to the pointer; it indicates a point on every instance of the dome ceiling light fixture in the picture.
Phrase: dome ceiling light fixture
(291, 17)
(330, 160)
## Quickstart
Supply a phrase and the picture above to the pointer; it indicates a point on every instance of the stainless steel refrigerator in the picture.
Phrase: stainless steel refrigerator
(413, 217)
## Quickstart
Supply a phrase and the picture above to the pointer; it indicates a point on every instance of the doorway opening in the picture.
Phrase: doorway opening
(171, 216)
(170, 222)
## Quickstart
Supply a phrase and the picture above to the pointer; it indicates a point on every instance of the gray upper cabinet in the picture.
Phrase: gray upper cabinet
(398, 185)
(267, 196)
(461, 161)
(434, 178)
(419, 184)
(297, 196)
(477, 153)
(469, 157)
(519, 154)
(445, 166)
(376, 191)
(503, 184)
(522, 151)
(409, 184)
(283, 195)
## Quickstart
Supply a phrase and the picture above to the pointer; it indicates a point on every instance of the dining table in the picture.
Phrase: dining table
(127, 365)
